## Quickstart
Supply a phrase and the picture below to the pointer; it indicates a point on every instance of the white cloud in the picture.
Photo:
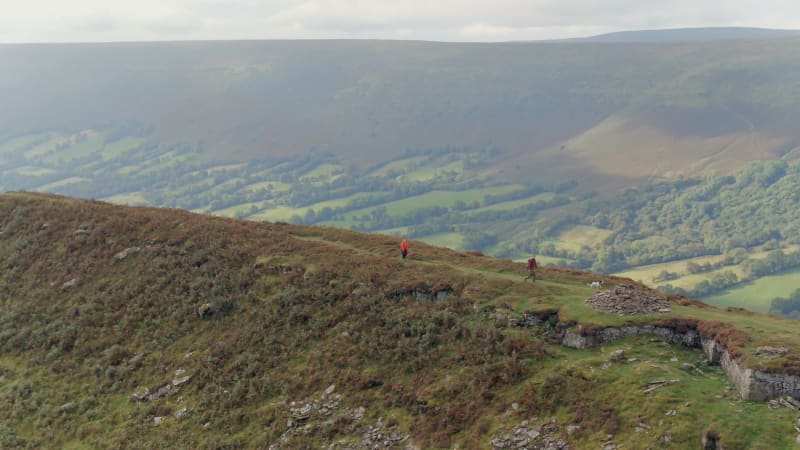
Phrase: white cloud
(458, 20)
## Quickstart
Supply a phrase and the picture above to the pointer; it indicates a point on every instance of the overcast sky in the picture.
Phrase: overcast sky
(442, 20)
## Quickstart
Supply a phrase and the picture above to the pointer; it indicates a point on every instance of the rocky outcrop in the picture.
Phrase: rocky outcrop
(585, 338)
(752, 384)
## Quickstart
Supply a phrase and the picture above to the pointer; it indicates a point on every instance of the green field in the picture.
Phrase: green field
(90, 143)
(577, 237)
(400, 165)
(757, 295)
(645, 274)
(408, 205)
(512, 204)
(450, 240)
(326, 171)
(283, 213)
(118, 148)
(430, 173)
(273, 186)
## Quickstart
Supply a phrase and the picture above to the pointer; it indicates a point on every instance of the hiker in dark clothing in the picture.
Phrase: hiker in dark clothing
(404, 248)
(532, 266)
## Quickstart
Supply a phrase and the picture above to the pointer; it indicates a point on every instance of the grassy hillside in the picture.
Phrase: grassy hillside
(143, 327)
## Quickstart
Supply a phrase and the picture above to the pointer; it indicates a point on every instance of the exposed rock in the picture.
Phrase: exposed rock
(752, 384)
(628, 299)
(501, 320)
(581, 339)
(179, 372)
(157, 420)
(124, 254)
(70, 284)
(771, 352)
(330, 390)
(80, 232)
(180, 381)
(689, 368)
(163, 391)
(358, 414)
(141, 395)
(527, 435)
(181, 412)
(618, 356)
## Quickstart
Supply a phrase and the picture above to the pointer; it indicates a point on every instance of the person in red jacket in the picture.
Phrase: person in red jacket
(404, 248)
(532, 266)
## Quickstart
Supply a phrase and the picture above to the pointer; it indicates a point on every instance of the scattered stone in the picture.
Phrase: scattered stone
(628, 299)
(671, 413)
(655, 384)
(136, 360)
(673, 359)
(124, 254)
(179, 372)
(330, 390)
(667, 437)
(501, 320)
(181, 412)
(163, 391)
(618, 356)
(358, 414)
(789, 402)
(572, 428)
(605, 366)
(688, 368)
(141, 395)
(69, 284)
(66, 408)
(80, 232)
(771, 352)
(157, 420)
(526, 435)
(180, 381)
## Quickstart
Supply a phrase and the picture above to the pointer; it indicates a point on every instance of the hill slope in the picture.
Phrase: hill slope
(556, 110)
(143, 327)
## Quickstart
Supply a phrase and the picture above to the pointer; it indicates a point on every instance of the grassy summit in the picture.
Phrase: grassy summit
(141, 327)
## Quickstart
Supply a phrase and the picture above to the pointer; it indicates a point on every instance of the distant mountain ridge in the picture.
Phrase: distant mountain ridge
(573, 108)
(677, 35)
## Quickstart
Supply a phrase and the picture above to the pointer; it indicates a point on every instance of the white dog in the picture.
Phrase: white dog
(595, 284)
